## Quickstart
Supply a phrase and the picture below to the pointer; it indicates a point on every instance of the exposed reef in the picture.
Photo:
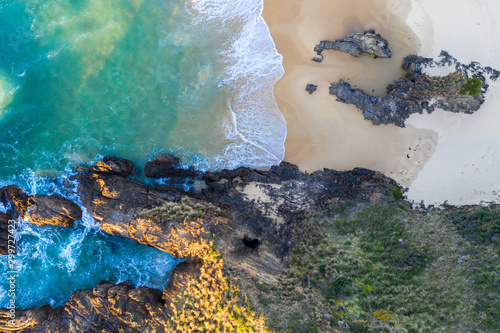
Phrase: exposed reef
(355, 44)
(462, 91)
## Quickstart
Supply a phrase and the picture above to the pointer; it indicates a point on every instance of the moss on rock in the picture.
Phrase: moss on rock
(471, 87)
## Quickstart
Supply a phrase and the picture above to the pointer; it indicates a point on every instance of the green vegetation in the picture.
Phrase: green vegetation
(471, 87)
(449, 85)
(179, 211)
(481, 226)
(383, 268)
(454, 84)
(398, 193)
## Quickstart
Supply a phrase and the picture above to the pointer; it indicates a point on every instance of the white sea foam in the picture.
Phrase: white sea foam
(252, 65)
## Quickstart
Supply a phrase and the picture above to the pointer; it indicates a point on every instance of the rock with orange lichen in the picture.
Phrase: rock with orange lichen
(54, 210)
(40, 209)
(256, 237)
(108, 307)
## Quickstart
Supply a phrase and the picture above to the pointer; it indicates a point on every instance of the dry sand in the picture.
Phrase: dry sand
(463, 167)
(323, 133)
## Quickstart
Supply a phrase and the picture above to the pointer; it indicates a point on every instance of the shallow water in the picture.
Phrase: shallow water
(83, 79)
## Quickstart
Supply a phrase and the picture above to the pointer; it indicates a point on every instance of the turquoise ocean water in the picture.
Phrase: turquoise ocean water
(83, 79)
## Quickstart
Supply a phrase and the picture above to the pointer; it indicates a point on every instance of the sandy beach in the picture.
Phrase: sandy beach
(465, 166)
(323, 133)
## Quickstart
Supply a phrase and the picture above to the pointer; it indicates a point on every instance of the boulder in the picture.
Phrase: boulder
(54, 210)
(111, 165)
(311, 88)
(355, 44)
(40, 209)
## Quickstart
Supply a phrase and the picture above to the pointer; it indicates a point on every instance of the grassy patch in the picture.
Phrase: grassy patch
(471, 87)
(380, 268)
(182, 210)
(481, 226)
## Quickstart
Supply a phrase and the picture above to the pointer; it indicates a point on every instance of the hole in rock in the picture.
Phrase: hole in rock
(252, 243)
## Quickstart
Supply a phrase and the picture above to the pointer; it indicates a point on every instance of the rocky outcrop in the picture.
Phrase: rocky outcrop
(256, 233)
(40, 209)
(129, 209)
(54, 210)
(167, 166)
(461, 91)
(15, 199)
(108, 307)
(355, 44)
(111, 165)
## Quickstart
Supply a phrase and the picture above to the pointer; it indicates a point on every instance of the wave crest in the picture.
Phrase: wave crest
(251, 67)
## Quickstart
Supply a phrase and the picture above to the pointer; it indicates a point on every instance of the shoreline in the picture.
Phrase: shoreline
(323, 133)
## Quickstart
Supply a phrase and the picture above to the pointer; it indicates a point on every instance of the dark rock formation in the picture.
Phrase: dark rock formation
(310, 88)
(14, 198)
(417, 92)
(256, 235)
(53, 210)
(108, 307)
(113, 165)
(40, 209)
(355, 44)
(166, 166)
(119, 204)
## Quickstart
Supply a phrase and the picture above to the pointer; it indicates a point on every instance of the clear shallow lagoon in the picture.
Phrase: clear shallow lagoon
(83, 79)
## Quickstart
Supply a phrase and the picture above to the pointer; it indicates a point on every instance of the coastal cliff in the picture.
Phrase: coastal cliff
(278, 250)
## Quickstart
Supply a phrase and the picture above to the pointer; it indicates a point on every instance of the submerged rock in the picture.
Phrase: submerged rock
(461, 91)
(355, 44)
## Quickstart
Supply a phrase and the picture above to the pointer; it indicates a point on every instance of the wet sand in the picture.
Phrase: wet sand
(323, 133)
